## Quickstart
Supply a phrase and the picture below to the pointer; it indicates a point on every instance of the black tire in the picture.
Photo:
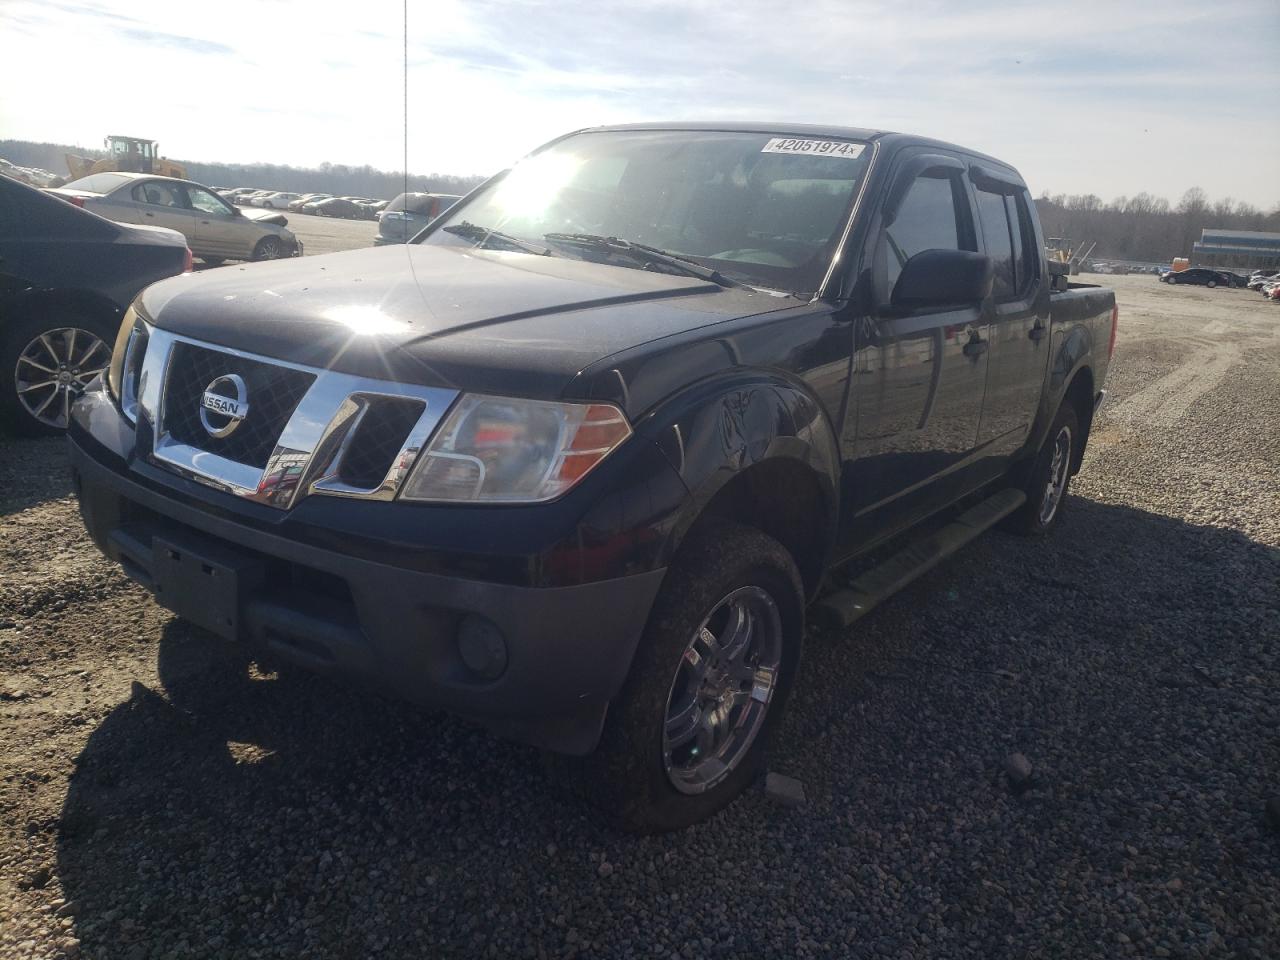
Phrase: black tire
(627, 777)
(213, 261)
(1035, 518)
(15, 338)
(269, 248)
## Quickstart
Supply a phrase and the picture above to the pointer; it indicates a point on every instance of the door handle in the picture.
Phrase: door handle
(975, 348)
(150, 214)
(1038, 331)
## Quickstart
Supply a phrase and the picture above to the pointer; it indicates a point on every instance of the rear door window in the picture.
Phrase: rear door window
(158, 193)
(98, 182)
(994, 217)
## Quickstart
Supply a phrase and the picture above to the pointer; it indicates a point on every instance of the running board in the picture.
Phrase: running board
(841, 608)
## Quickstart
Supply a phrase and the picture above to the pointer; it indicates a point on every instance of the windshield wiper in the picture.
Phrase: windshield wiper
(482, 235)
(645, 254)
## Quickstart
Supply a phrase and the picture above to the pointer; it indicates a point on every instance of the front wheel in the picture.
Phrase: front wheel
(268, 248)
(708, 685)
(1049, 476)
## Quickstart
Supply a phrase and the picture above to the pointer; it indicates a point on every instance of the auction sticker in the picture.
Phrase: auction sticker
(817, 148)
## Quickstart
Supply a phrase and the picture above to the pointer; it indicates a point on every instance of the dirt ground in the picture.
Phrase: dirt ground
(161, 796)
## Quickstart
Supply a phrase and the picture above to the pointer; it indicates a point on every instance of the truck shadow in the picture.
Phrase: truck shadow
(235, 809)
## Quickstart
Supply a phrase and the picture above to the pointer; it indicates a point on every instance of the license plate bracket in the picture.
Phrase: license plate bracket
(203, 582)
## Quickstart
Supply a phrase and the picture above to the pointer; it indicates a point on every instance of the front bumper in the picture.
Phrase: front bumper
(567, 648)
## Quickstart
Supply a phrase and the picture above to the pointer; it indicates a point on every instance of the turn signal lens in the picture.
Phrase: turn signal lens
(496, 450)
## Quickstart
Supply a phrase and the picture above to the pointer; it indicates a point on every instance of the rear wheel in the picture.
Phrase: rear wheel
(1212, 283)
(709, 681)
(1049, 477)
(46, 361)
(268, 248)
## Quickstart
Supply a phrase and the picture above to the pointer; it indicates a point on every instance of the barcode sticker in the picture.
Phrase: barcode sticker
(817, 148)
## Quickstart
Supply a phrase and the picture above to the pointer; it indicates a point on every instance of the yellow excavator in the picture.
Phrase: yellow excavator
(129, 155)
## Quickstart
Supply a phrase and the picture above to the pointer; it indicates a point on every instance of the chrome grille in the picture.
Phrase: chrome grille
(275, 393)
(306, 431)
(376, 441)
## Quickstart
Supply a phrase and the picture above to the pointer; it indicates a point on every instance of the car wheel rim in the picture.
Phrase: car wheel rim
(54, 368)
(270, 249)
(1059, 467)
(722, 689)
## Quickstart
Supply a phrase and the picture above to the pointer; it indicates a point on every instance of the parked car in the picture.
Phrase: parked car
(307, 198)
(409, 213)
(575, 464)
(346, 207)
(245, 198)
(66, 278)
(1200, 276)
(215, 230)
(274, 201)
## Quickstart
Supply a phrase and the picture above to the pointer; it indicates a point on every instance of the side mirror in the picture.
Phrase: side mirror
(943, 278)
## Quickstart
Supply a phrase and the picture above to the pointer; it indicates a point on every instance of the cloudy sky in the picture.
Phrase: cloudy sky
(1105, 97)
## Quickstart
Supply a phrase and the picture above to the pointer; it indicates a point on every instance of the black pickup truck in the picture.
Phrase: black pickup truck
(575, 461)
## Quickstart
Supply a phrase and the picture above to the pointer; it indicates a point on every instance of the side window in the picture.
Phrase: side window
(159, 194)
(206, 202)
(926, 220)
(994, 217)
(1026, 258)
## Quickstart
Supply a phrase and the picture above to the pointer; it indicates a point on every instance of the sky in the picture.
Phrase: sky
(1111, 98)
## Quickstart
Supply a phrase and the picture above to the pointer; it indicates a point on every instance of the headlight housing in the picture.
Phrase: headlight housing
(125, 370)
(499, 450)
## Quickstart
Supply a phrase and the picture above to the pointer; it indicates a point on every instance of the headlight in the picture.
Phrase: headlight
(495, 450)
(126, 363)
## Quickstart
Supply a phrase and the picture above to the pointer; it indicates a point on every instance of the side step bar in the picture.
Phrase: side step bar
(839, 609)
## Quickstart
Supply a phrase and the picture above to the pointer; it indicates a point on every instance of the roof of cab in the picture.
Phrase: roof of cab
(812, 130)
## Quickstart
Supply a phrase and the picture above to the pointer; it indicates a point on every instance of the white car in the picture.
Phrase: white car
(214, 229)
(274, 201)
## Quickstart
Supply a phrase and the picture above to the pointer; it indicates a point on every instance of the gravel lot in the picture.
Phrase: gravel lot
(162, 797)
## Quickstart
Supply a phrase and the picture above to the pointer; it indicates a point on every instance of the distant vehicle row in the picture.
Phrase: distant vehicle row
(1268, 284)
(318, 204)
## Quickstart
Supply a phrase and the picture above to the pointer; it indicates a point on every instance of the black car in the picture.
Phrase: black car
(409, 213)
(66, 278)
(1199, 276)
(576, 463)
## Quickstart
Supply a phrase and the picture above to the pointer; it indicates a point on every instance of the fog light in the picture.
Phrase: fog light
(482, 647)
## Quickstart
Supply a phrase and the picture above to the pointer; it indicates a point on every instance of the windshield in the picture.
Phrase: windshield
(764, 209)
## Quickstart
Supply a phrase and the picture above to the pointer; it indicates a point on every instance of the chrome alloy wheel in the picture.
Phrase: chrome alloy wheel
(270, 248)
(721, 691)
(54, 368)
(1059, 467)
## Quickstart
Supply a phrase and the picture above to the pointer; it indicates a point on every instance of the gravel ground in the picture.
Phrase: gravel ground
(162, 797)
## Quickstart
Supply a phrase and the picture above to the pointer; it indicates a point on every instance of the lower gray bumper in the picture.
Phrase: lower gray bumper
(568, 649)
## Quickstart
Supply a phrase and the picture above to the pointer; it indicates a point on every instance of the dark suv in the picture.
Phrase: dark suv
(408, 213)
(577, 463)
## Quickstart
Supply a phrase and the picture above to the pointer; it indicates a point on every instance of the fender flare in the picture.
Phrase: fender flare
(719, 429)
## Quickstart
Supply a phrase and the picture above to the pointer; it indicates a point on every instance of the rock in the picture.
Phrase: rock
(786, 791)
(1019, 771)
(605, 869)
(40, 878)
(67, 909)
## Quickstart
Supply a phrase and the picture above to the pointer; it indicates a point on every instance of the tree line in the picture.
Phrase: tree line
(336, 178)
(1145, 227)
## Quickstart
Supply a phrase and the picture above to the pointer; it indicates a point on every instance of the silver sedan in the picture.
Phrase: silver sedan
(215, 230)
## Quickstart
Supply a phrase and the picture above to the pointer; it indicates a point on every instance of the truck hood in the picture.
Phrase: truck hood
(480, 320)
